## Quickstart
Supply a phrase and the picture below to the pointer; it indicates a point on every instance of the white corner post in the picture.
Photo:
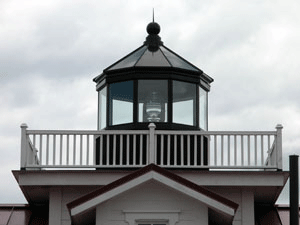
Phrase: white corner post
(279, 128)
(23, 145)
(151, 143)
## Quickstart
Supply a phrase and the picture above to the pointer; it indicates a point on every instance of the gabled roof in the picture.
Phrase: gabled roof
(152, 172)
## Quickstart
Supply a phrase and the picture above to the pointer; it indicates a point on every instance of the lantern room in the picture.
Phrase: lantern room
(153, 85)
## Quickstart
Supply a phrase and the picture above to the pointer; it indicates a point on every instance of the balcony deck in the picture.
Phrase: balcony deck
(70, 149)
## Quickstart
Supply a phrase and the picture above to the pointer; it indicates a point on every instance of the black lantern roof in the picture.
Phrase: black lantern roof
(153, 57)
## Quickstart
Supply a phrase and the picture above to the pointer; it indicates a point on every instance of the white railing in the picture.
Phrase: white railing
(137, 148)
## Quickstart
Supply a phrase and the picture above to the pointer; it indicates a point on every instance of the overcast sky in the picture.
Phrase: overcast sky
(51, 50)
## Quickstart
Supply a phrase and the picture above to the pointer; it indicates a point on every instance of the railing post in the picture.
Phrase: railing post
(151, 143)
(23, 145)
(279, 128)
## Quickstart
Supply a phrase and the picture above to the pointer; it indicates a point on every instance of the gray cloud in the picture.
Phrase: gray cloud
(50, 51)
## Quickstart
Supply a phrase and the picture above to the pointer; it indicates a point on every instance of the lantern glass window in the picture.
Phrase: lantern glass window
(121, 103)
(152, 100)
(184, 103)
(102, 108)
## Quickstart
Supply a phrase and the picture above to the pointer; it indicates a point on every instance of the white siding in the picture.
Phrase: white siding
(152, 197)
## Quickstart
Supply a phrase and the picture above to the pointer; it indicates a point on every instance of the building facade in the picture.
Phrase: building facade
(152, 160)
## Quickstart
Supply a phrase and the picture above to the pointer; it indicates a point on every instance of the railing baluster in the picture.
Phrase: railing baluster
(175, 149)
(107, 149)
(127, 150)
(249, 153)
(262, 150)
(121, 149)
(74, 149)
(114, 156)
(228, 149)
(169, 151)
(242, 149)
(162, 149)
(181, 150)
(202, 150)
(141, 149)
(215, 149)
(60, 149)
(80, 149)
(222, 150)
(68, 150)
(54, 148)
(87, 149)
(269, 150)
(188, 150)
(41, 149)
(255, 149)
(101, 158)
(134, 150)
(47, 149)
(195, 150)
(235, 151)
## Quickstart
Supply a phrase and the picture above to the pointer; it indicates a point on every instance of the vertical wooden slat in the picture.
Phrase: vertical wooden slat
(141, 149)
(107, 149)
(181, 150)
(215, 149)
(41, 149)
(242, 149)
(169, 151)
(202, 150)
(255, 149)
(175, 149)
(134, 150)
(228, 150)
(162, 150)
(222, 150)
(188, 150)
(87, 149)
(249, 153)
(74, 149)
(127, 150)
(101, 158)
(208, 150)
(235, 151)
(54, 148)
(262, 150)
(68, 150)
(121, 149)
(60, 149)
(47, 149)
(114, 156)
(269, 150)
(80, 149)
(34, 152)
(195, 150)
(34, 140)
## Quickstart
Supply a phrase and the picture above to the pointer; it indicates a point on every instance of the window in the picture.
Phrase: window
(154, 217)
(121, 103)
(152, 222)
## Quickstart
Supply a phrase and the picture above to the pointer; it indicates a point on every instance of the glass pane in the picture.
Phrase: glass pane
(121, 103)
(152, 100)
(184, 103)
(102, 108)
(203, 108)
(130, 60)
(153, 59)
(176, 61)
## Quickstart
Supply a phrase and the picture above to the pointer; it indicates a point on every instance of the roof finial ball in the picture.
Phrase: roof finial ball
(153, 28)
(153, 41)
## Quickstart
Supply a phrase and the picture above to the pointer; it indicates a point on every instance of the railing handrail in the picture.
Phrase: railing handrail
(235, 144)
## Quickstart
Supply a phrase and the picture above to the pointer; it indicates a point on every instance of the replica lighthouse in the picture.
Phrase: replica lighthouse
(152, 160)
